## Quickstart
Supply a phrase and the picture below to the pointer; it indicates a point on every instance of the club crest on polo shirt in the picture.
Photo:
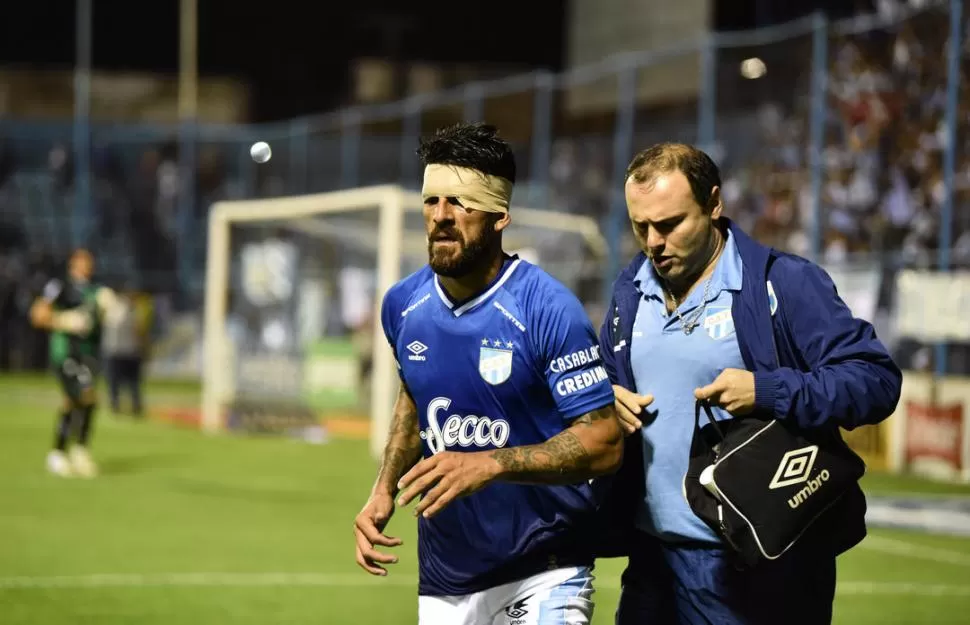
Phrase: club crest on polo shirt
(718, 322)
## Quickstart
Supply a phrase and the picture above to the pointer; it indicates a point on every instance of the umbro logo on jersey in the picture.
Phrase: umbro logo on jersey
(517, 610)
(417, 349)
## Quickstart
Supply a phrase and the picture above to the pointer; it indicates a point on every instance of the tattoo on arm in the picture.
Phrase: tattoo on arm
(403, 448)
(602, 414)
(563, 459)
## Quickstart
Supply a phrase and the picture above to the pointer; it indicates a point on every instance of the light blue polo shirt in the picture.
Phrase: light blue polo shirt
(669, 365)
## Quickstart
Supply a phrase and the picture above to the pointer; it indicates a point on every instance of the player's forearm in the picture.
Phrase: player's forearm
(591, 447)
(44, 317)
(403, 448)
(400, 454)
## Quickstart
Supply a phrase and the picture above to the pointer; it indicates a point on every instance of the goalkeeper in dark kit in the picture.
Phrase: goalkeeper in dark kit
(73, 311)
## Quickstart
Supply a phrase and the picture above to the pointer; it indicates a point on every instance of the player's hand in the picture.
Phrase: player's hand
(629, 406)
(732, 390)
(444, 477)
(369, 531)
(42, 316)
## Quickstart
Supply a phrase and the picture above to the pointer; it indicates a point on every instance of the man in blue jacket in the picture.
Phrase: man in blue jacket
(706, 313)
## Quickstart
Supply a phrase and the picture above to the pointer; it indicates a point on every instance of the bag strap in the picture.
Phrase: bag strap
(706, 407)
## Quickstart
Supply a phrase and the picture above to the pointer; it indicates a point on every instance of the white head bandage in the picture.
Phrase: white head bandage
(473, 188)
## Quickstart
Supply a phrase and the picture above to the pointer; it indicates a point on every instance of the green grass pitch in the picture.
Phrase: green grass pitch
(188, 528)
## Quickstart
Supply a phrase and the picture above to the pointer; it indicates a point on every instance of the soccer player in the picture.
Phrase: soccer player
(504, 412)
(72, 311)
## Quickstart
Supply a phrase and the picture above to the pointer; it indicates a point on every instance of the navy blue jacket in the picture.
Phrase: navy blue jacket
(814, 365)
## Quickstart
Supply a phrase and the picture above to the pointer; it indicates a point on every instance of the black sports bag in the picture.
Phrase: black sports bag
(761, 484)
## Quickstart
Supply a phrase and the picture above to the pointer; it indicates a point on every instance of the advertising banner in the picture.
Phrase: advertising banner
(934, 438)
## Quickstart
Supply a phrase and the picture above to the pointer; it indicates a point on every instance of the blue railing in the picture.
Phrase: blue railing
(805, 149)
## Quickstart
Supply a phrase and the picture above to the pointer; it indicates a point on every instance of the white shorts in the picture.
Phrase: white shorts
(557, 597)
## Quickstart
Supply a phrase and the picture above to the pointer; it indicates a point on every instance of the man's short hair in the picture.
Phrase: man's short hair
(475, 146)
(81, 252)
(700, 169)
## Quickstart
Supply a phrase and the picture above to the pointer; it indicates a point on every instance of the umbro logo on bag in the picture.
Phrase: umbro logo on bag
(795, 468)
(417, 348)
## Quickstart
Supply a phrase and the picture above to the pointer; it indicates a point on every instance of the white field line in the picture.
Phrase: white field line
(902, 588)
(295, 580)
(116, 580)
(913, 550)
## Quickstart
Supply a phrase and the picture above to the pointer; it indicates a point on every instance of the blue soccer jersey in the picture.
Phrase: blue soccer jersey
(512, 366)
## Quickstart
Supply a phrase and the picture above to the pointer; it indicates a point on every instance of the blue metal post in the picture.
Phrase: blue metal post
(474, 103)
(409, 143)
(707, 105)
(350, 149)
(299, 177)
(189, 237)
(246, 165)
(949, 154)
(626, 109)
(541, 140)
(817, 123)
(83, 221)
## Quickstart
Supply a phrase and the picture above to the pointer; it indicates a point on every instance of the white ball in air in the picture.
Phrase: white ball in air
(261, 152)
(753, 68)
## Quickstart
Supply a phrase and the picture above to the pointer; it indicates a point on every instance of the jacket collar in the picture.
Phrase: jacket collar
(754, 256)
(754, 259)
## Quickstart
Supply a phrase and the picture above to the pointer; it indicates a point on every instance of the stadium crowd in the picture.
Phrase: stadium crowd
(882, 189)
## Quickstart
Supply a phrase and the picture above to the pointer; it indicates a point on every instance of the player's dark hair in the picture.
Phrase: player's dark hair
(700, 169)
(475, 146)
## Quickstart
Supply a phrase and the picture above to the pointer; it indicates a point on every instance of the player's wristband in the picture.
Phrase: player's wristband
(72, 322)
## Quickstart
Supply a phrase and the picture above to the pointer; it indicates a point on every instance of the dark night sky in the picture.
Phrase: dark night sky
(742, 14)
(295, 52)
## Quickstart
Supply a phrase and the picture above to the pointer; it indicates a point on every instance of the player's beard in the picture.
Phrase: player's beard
(470, 256)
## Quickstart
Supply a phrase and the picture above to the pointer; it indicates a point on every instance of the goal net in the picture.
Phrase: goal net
(292, 335)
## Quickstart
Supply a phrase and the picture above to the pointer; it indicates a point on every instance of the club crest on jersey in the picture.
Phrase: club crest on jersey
(495, 361)
(718, 322)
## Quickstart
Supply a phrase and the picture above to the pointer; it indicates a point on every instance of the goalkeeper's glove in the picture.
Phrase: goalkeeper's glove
(76, 322)
(109, 303)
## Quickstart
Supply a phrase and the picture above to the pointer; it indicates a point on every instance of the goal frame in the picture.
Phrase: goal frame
(391, 202)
